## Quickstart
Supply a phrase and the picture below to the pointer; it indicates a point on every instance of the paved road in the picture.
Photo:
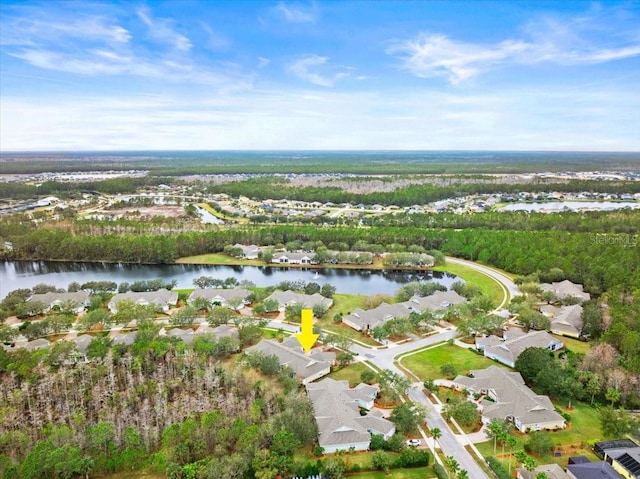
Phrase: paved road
(447, 442)
(508, 286)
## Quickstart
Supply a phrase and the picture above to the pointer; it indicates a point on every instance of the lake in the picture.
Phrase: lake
(26, 274)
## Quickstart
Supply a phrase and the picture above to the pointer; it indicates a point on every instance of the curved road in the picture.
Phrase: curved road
(508, 287)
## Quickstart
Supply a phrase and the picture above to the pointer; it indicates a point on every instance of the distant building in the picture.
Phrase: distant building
(248, 252)
(294, 258)
(287, 298)
(439, 300)
(368, 319)
(566, 288)
(221, 296)
(78, 301)
(162, 299)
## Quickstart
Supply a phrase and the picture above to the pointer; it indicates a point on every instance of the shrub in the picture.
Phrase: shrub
(318, 451)
(498, 468)
(440, 472)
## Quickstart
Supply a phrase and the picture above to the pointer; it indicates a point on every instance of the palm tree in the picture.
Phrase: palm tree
(452, 464)
(511, 442)
(436, 434)
(463, 474)
(530, 464)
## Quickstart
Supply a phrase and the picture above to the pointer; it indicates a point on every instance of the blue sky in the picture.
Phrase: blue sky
(85, 75)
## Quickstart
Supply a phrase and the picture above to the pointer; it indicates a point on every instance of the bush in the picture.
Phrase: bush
(412, 457)
(318, 451)
(497, 467)
(440, 472)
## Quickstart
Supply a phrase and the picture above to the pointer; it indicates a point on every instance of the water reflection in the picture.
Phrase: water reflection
(26, 274)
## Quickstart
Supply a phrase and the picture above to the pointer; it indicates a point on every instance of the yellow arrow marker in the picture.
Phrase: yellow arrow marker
(305, 337)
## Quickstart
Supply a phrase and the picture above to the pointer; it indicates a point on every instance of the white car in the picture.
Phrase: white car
(413, 442)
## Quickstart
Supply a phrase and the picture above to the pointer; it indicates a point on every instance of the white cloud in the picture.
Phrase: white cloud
(580, 41)
(593, 118)
(263, 62)
(92, 45)
(161, 30)
(436, 55)
(32, 30)
(309, 68)
(296, 13)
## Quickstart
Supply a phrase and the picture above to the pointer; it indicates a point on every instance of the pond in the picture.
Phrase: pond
(26, 274)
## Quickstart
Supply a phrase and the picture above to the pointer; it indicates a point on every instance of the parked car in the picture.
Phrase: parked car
(413, 442)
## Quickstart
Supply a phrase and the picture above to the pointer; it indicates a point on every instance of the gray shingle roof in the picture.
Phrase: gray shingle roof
(219, 294)
(435, 301)
(377, 316)
(566, 288)
(162, 297)
(337, 413)
(593, 470)
(80, 297)
(290, 354)
(553, 471)
(566, 318)
(510, 349)
(513, 397)
(306, 300)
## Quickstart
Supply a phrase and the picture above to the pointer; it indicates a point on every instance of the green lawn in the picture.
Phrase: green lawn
(574, 345)
(219, 258)
(489, 286)
(363, 459)
(346, 303)
(415, 473)
(351, 373)
(426, 364)
(584, 426)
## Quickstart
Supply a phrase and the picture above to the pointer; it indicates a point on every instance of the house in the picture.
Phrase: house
(368, 319)
(189, 335)
(162, 299)
(336, 410)
(294, 258)
(77, 301)
(36, 344)
(566, 320)
(82, 342)
(439, 300)
(566, 288)
(123, 339)
(306, 367)
(553, 471)
(592, 470)
(625, 461)
(510, 399)
(221, 296)
(287, 298)
(248, 252)
(507, 351)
